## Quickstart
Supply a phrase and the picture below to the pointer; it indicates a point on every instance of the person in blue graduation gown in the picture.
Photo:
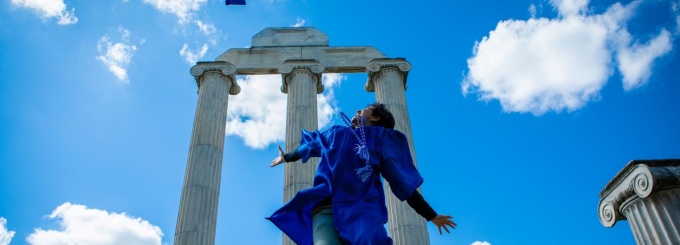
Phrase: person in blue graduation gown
(346, 204)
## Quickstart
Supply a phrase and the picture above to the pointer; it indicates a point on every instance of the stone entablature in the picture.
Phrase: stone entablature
(289, 36)
(267, 57)
(647, 194)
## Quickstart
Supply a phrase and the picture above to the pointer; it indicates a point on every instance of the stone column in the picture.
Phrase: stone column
(647, 194)
(387, 78)
(197, 216)
(302, 82)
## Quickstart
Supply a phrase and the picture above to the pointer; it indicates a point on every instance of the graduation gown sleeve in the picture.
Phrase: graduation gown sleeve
(396, 165)
(311, 143)
(295, 218)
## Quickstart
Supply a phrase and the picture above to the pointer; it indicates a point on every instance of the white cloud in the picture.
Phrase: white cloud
(675, 6)
(542, 65)
(258, 113)
(570, 7)
(5, 235)
(192, 57)
(635, 61)
(186, 10)
(50, 9)
(209, 30)
(480, 243)
(183, 9)
(81, 225)
(532, 10)
(116, 56)
(326, 103)
(299, 22)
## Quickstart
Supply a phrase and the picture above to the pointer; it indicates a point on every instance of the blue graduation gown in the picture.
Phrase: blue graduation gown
(359, 209)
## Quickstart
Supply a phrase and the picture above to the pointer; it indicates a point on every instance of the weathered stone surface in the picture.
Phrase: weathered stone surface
(274, 46)
(301, 82)
(387, 77)
(647, 194)
(197, 217)
(301, 55)
(266, 60)
(289, 36)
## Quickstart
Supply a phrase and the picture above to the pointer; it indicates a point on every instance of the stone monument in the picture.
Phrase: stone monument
(647, 194)
(300, 55)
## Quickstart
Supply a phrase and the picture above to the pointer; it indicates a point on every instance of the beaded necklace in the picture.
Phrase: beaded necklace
(361, 149)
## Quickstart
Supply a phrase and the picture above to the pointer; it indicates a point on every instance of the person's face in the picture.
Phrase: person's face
(367, 114)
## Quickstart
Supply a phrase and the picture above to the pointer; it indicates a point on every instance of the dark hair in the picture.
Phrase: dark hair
(386, 118)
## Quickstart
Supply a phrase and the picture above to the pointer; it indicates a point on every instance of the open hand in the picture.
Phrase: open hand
(443, 221)
(278, 160)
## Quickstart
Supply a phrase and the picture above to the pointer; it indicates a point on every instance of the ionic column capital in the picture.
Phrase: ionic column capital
(221, 68)
(638, 179)
(375, 66)
(314, 67)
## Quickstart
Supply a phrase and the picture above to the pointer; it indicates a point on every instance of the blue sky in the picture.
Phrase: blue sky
(521, 111)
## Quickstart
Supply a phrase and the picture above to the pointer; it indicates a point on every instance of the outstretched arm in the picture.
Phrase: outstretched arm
(278, 160)
(285, 157)
(443, 221)
(310, 146)
(418, 203)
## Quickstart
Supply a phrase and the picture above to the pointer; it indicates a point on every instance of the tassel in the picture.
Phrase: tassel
(362, 151)
(364, 172)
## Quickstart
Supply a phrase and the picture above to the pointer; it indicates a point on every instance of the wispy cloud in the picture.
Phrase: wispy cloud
(209, 30)
(82, 225)
(116, 55)
(183, 9)
(635, 61)
(676, 8)
(258, 113)
(5, 235)
(299, 22)
(326, 103)
(49, 9)
(186, 10)
(542, 65)
(192, 57)
(570, 7)
(532, 10)
(480, 243)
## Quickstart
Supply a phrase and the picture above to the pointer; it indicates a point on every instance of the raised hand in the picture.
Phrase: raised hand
(443, 221)
(278, 160)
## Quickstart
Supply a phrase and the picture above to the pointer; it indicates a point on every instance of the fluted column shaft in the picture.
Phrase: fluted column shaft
(655, 219)
(197, 218)
(387, 77)
(302, 82)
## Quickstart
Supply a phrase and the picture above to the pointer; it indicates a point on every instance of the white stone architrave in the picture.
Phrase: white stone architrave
(647, 194)
(301, 55)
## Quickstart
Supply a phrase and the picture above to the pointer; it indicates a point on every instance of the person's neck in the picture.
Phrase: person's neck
(356, 125)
